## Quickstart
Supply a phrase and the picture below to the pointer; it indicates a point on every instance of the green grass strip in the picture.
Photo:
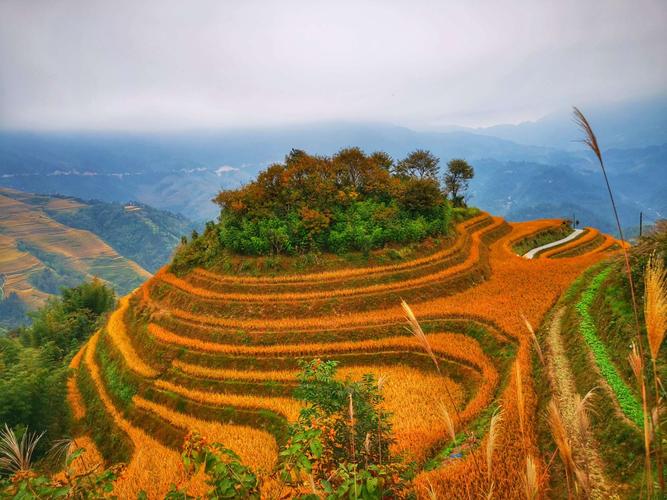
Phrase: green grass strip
(626, 399)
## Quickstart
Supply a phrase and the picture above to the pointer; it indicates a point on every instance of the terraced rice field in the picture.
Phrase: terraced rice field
(31, 242)
(219, 354)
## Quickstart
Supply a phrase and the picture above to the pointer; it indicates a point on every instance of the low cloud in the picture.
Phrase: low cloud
(165, 64)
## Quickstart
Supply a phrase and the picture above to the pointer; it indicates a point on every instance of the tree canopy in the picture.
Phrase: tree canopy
(459, 172)
(34, 360)
(349, 201)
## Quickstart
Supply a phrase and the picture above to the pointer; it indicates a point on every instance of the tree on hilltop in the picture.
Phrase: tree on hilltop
(458, 175)
(420, 163)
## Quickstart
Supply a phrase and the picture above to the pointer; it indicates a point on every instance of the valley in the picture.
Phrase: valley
(48, 242)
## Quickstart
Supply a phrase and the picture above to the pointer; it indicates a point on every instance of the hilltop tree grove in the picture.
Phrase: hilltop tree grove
(347, 202)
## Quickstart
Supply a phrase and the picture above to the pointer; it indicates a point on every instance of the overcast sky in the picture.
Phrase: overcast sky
(188, 64)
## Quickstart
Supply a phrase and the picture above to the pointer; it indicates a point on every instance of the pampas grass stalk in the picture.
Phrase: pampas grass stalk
(521, 404)
(655, 317)
(530, 329)
(655, 304)
(351, 411)
(449, 423)
(591, 141)
(496, 419)
(430, 491)
(531, 486)
(637, 365)
(582, 411)
(382, 379)
(416, 330)
(559, 435)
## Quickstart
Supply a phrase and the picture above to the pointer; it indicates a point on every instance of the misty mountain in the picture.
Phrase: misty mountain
(181, 172)
(634, 124)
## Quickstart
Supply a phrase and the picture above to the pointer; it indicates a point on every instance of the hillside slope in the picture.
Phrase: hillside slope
(137, 231)
(39, 254)
(217, 352)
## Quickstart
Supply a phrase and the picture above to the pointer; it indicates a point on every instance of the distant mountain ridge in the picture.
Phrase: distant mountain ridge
(635, 124)
(182, 172)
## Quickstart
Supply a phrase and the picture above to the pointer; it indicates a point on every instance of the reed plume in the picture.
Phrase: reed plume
(655, 304)
(521, 404)
(655, 318)
(559, 435)
(530, 329)
(352, 423)
(582, 413)
(416, 330)
(637, 365)
(496, 419)
(449, 423)
(430, 491)
(592, 142)
(530, 483)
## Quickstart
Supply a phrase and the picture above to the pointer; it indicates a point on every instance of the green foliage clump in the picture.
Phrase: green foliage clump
(458, 175)
(348, 202)
(89, 484)
(34, 360)
(226, 475)
(340, 443)
(626, 399)
(116, 377)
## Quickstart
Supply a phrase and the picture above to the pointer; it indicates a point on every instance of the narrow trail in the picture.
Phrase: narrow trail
(531, 254)
(584, 448)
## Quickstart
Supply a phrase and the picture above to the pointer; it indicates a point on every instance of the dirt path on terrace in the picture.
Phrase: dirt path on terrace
(531, 254)
(584, 450)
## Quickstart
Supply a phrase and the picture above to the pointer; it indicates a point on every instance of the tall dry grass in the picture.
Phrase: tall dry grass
(655, 304)
(559, 435)
(655, 318)
(530, 481)
(592, 142)
(637, 364)
(16, 454)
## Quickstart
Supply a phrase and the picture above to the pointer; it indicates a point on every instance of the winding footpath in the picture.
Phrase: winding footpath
(583, 446)
(532, 253)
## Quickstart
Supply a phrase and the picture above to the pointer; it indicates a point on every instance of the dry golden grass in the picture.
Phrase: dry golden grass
(530, 481)
(118, 335)
(414, 396)
(411, 396)
(284, 406)
(470, 261)
(655, 304)
(73, 395)
(91, 459)
(494, 429)
(222, 373)
(153, 466)
(257, 448)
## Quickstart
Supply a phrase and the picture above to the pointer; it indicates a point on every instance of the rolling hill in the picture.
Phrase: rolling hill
(217, 352)
(47, 242)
